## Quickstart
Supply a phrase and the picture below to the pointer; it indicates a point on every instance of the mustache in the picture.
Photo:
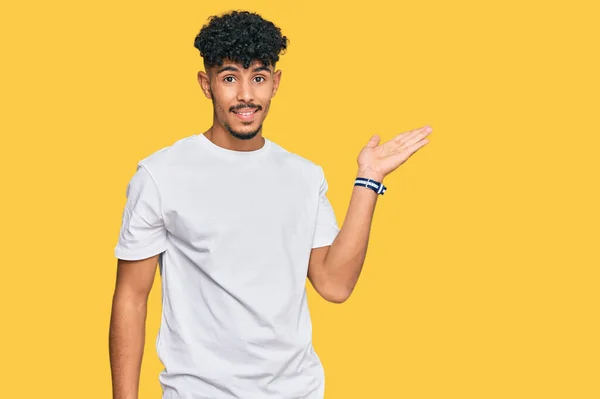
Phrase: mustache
(243, 106)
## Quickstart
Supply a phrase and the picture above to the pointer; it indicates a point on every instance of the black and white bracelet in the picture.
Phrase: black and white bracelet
(376, 186)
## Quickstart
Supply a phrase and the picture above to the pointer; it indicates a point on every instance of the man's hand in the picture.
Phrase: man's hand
(376, 161)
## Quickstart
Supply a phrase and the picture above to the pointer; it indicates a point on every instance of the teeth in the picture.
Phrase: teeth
(246, 113)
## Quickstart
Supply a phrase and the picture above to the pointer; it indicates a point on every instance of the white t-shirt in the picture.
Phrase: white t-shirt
(235, 230)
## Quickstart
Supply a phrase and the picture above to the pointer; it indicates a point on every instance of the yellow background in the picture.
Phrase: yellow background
(481, 279)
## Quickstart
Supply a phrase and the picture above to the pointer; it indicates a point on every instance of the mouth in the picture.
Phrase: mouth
(246, 114)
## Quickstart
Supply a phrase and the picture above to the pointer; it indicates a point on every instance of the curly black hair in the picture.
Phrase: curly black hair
(241, 37)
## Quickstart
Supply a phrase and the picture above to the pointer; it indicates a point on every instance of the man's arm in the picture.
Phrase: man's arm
(334, 271)
(128, 324)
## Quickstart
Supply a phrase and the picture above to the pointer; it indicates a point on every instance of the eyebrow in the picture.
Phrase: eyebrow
(227, 68)
(261, 68)
(234, 69)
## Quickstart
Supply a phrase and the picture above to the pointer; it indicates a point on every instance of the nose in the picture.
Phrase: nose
(245, 93)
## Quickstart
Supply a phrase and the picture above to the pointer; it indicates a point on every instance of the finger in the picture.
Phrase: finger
(404, 137)
(418, 136)
(421, 132)
(410, 142)
(411, 149)
(374, 141)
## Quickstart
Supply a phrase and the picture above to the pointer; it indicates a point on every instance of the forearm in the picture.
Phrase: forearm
(346, 256)
(126, 345)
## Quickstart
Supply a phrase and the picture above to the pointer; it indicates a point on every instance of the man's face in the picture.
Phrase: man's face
(241, 97)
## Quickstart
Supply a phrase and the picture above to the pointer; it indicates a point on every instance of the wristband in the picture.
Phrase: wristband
(376, 186)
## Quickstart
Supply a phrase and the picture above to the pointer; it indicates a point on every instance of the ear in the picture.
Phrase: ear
(276, 80)
(204, 82)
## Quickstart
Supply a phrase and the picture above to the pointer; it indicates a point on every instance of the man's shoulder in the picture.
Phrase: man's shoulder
(170, 155)
(294, 159)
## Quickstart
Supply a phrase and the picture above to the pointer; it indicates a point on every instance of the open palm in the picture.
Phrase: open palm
(380, 160)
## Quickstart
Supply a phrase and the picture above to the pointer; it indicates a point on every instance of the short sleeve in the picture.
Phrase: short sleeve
(143, 233)
(327, 228)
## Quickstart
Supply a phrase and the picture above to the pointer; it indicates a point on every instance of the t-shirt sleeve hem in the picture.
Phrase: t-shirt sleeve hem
(144, 253)
(325, 239)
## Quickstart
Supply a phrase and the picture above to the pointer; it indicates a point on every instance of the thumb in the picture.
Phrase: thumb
(374, 141)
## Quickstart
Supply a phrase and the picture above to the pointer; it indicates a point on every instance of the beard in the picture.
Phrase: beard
(242, 136)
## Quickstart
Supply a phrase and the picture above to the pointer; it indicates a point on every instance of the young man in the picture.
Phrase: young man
(236, 224)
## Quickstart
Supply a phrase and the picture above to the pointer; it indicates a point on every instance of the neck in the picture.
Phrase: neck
(220, 136)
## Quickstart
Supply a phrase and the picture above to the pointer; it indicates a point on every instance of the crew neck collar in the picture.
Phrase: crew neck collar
(233, 154)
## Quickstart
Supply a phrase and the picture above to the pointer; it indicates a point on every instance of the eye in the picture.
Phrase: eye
(229, 79)
(261, 79)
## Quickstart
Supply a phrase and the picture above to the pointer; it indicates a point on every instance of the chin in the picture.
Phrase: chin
(244, 132)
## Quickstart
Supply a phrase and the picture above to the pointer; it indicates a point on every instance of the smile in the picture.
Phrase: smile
(246, 113)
